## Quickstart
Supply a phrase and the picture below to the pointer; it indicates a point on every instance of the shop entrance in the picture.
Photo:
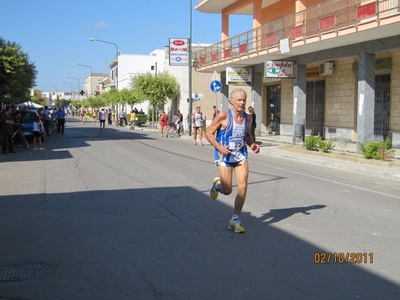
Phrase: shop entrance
(315, 108)
(382, 107)
(274, 107)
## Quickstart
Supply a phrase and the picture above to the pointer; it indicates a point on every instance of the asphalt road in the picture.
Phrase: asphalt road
(120, 214)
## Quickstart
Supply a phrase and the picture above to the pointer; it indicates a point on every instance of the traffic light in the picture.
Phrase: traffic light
(82, 92)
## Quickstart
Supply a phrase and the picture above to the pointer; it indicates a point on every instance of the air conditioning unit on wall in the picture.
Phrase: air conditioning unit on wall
(326, 69)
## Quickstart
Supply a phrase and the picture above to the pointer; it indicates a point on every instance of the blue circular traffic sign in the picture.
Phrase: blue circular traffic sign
(215, 86)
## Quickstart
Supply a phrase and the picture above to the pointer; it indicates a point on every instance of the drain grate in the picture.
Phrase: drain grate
(20, 272)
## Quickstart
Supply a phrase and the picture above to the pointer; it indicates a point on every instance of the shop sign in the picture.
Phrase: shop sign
(178, 52)
(280, 69)
(238, 75)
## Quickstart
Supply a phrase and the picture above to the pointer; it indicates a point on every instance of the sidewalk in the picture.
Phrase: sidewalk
(344, 159)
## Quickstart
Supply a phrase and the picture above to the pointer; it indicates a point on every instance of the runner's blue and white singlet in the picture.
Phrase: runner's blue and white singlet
(233, 135)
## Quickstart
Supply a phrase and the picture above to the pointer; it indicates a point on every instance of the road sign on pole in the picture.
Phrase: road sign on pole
(215, 76)
(215, 86)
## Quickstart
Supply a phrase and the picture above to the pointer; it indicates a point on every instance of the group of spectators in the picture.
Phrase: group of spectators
(49, 115)
(11, 120)
(132, 117)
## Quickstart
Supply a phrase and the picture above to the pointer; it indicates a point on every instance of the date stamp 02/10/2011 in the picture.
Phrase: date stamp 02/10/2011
(343, 258)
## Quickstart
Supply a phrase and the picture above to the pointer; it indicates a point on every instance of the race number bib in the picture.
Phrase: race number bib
(236, 142)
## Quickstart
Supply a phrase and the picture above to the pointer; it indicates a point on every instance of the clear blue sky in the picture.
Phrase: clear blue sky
(55, 34)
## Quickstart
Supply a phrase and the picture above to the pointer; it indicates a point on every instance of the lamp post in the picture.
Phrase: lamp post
(78, 83)
(91, 75)
(116, 69)
(116, 47)
(190, 70)
(69, 84)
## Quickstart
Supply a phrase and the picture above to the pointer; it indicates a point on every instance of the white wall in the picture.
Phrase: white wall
(131, 65)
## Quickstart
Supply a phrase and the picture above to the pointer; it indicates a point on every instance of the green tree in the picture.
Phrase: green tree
(95, 101)
(156, 89)
(111, 97)
(62, 103)
(75, 103)
(17, 74)
(127, 96)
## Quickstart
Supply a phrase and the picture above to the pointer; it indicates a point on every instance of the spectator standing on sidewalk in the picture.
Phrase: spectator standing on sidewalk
(37, 136)
(253, 123)
(233, 127)
(60, 113)
(7, 128)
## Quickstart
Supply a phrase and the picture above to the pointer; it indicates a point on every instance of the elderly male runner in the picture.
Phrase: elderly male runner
(233, 131)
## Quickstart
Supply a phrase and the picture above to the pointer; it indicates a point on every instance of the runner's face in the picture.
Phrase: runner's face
(239, 102)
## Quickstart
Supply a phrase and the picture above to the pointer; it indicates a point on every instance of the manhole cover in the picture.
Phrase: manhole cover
(20, 272)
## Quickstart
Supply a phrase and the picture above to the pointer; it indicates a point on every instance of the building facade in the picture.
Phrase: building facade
(93, 84)
(345, 57)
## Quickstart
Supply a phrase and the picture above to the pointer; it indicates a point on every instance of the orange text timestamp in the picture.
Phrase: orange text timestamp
(343, 258)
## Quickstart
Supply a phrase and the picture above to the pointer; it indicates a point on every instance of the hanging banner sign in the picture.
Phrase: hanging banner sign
(178, 52)
(281, 69)
(238, 75)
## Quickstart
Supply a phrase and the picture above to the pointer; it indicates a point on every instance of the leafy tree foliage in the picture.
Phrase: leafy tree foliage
(156, 89)
(111, 97)
(95, 101)
(127, 96)
(62, 103)
(17, 74)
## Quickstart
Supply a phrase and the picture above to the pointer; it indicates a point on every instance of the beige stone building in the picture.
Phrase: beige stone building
(344, 81)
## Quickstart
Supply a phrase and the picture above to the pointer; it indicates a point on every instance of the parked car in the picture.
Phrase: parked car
(27, 119)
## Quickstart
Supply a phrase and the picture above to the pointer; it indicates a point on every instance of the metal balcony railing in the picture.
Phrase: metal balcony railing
(325, 20)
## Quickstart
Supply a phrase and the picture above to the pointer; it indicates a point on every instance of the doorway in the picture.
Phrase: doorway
(274, 107)
(315, 108)
(382, 107)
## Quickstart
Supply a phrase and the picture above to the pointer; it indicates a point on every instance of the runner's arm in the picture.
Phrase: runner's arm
(219, 122)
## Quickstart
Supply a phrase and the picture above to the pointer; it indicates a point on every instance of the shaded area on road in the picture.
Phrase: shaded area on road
(165, 243)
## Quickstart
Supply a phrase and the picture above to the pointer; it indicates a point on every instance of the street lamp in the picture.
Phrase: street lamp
(190, 70)
(116, 47)
(78, 84)
(91, 75)
(69, 84)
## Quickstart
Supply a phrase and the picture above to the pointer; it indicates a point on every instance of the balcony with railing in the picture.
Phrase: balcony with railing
(322, 22)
